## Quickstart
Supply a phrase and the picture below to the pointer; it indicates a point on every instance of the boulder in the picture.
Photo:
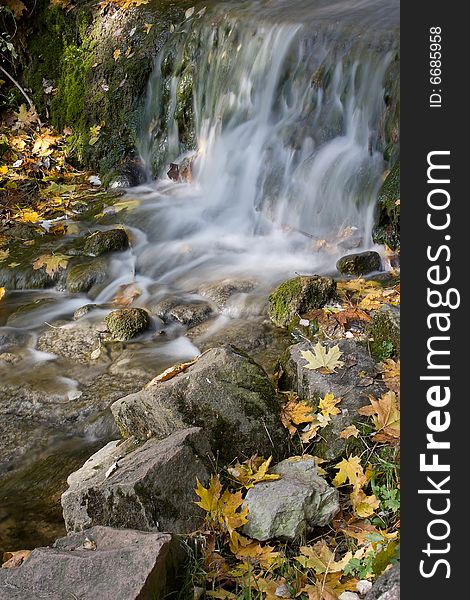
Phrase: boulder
(385, 332)
(189, 314)
(299, 295)
(100, 563)
(82, 277)
(358, 264)
(127, 323)
(71, 340)
(289, 507)
(100, 242)
(387, 586)
(148, 487)
(353, 383)
(220, 292)
(225, 392)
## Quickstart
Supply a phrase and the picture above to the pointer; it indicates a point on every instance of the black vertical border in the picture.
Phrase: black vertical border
(425, 129)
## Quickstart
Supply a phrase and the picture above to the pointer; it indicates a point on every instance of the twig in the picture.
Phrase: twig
(28, 99)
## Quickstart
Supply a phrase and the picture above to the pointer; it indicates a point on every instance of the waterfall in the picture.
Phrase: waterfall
(285, 121)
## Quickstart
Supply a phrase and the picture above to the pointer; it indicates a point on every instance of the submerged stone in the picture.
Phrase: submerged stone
(82, 277)
(111, 240)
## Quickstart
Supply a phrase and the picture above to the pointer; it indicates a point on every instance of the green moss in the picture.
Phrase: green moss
(127, 323)
(387, 230)
(385, 333)
(100, 242)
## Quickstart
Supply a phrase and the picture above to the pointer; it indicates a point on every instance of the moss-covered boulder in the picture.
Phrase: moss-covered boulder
(299, 295)
(127, 323)
(100, 242)
(83, 276)
(225, 392)
(387, 229)
(360, 263)
(385, 333)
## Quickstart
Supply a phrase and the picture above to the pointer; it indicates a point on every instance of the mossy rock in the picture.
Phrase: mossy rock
(385, 333)
(82, 277)
(387, 230)
(359, 264)
(100, 242)
(127, 323)
(299, 295)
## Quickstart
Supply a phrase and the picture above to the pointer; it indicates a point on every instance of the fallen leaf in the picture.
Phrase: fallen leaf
(350, 471)
(4, 254)
(325, 359)
(3, 170)
(320, 558)
(171, 372)
(249, 476)
(51, 262)
(385, 414)
(391, 374)
(116, 54)
(296, 412)
(351, 431)
(14, 559)
(2, 293)
(328, 406)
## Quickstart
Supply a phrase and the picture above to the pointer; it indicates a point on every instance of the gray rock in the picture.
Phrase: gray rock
(84, 310)
(387, 586)
(220, 292)
(353, 382)
(127, 323)
(84, 276)
(72, 340)
(111, 240)
(189, 314)
(100, 563)
(287, 508)
(12, 338)
(360, 263)
(385, 330)
(224, 392)
(148, 487)
(299, 295)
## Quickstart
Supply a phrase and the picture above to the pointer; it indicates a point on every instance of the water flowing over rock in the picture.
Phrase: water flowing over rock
(148, 487)
(224, 392)
(353, 383)
(104, 563)
(287, 508)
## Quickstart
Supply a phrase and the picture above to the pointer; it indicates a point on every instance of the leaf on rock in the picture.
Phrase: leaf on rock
(51, 262)
(171, 372)
(325, 359)
(296, 412)
(14, 559)
(328, 405)
(351, 431)
(249, 475)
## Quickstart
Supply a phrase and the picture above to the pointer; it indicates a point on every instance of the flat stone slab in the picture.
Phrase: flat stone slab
(98, 564)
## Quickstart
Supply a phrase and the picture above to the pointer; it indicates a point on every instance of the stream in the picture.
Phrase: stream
(284, 131)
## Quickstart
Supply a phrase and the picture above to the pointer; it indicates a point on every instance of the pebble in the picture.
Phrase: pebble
(348, 596)
(363, 586)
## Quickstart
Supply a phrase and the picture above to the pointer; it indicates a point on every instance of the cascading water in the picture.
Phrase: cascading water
(279, 107)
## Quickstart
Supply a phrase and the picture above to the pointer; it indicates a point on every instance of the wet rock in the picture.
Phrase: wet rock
(127, 323)
(225, 392)
(387, 230)
(12, 338)
(104, 563)
(183, 171)
(353, 383)
(189, 314)
(111, 240)
(147, 487)
(385, 332)
(387, 586)
(299, 295)
(22, 317)
(359, 264)
(287, 508)
(82, 277)
(84, 310)
(220, 292)
(71, 340)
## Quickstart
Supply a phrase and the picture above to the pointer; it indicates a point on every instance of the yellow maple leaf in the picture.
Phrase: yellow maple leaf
(328, 404)
(3, 170)
(296, 412)
(391, 374)
(364, 506)
(209, 497)
(326, 359)
(256, 554)
(4, 254)
(43, 142)
(2, 293)
(351, 431)
(321, 558)
(116, 54)
(27, 216)
(372, 301)
(385, 414)
(350, 470)
(51, 262)
(249, 474)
